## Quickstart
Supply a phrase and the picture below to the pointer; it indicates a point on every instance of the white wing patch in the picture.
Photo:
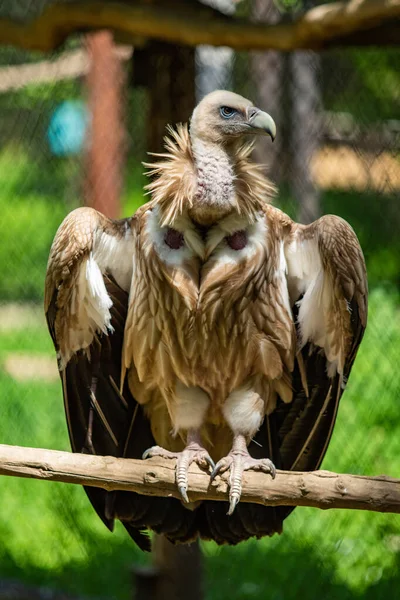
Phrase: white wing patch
(89, 311)
(96, 299)
(90, 303)
(306, 276)
(115, 255)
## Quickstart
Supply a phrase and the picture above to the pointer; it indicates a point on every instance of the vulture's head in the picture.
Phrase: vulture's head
(223, 116)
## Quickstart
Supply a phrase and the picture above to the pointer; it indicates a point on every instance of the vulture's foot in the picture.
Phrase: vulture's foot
(193, 452)
(237, 461)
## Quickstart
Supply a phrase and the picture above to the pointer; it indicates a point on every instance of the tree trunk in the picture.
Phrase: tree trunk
(305, 129)
(168, 73)
(268, 73)
(176, 573)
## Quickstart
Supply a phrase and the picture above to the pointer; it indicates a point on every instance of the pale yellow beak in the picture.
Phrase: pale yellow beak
(262, 122)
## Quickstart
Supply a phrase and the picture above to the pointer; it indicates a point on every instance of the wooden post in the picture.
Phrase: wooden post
(106, 143)
(167, 71)
(305, 128)
(176, 573)
(306, 131)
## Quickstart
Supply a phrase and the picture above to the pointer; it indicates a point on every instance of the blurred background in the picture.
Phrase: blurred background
(75, 125)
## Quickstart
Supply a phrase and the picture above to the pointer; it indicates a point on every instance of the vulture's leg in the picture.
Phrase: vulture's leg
(244, 412)
(193, 452)
(239, 460)
(190, 405)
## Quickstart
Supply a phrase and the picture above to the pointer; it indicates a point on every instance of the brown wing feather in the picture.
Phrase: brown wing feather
(111, 417)
(102, 420)
(296, 435)
(306, 425)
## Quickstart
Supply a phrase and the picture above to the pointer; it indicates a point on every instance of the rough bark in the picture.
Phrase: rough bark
(155, 477)
(268, 76)
(305, 132)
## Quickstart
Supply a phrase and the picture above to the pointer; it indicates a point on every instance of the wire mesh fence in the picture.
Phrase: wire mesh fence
(337, 151)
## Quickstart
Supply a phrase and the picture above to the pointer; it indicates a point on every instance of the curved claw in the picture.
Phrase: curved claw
(158, 451)
(192, 453)
(221, 466)
(234, 501)
(183, 492)
(215, 471)
(264, 465)
(237, 463)
(210, 462)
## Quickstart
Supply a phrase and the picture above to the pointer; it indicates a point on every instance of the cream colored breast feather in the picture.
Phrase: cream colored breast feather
(174, 183)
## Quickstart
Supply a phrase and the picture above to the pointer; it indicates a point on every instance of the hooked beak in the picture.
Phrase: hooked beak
(261, 122)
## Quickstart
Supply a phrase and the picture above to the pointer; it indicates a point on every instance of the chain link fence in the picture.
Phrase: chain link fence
(337, 151)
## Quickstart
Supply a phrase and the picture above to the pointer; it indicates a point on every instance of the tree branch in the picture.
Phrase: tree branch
(192, 25)
(156, 477)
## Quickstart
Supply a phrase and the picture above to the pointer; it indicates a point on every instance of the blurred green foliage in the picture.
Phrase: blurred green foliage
(371, 74)
(35, 196)
(51, 536)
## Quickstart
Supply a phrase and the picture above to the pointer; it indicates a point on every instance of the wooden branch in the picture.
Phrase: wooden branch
(70, 65)
(192, 25)
(156, 477)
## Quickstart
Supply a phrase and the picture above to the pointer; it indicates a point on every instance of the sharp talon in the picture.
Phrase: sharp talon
(221, 466)
(238, 461)
(183, 493)
(232, 505)
(215, 471)
(210, 462)
(192, 453)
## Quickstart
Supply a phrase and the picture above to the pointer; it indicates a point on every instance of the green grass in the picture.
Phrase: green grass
(50, 535)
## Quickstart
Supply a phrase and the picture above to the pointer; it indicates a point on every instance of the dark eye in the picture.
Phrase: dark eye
(227, 112)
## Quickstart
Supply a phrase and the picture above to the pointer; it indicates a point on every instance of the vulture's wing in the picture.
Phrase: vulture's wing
(86, 301)
(327, 284)
(328, 290)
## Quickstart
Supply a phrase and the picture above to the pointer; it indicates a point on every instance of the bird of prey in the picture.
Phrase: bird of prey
(208, 328)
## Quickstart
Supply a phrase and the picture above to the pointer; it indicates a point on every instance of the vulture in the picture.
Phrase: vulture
(208, 327)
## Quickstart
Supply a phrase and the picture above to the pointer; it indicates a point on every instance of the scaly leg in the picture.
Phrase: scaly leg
(237, 461)
(193, 452)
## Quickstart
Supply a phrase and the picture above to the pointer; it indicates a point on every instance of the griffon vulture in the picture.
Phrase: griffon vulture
(208, 327)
